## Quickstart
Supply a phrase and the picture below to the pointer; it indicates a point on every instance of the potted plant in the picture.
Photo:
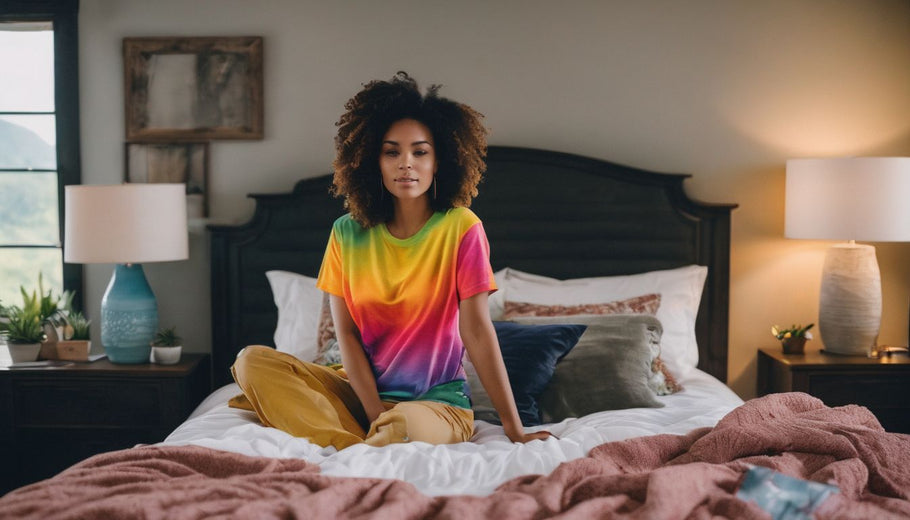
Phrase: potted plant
(23, 331)
(76, 344)
(51, 311)
(166, 347)
(793, 340)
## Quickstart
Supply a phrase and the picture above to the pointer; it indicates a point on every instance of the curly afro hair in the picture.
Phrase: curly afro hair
(459, 137)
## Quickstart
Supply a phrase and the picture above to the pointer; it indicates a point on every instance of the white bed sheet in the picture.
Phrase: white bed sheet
(473, 468)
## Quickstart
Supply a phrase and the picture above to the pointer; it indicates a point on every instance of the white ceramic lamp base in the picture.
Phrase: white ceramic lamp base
(850, 305)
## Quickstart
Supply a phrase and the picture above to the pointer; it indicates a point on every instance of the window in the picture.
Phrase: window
(39, 143)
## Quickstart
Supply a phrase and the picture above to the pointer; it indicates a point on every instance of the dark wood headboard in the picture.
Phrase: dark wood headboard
(548, 213)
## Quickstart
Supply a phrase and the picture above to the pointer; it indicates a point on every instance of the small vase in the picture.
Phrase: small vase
(48, 350)
(52, 332)
(794, 345)
(52, 335)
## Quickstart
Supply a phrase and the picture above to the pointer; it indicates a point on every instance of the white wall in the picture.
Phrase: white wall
(726, 90)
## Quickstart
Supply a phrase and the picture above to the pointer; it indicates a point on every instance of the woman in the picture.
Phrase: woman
(408, 275)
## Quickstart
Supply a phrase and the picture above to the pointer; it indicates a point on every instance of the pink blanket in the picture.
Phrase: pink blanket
(663, 476)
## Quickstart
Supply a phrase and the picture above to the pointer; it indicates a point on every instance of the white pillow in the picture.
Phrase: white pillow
(680, 292)
(299, 303)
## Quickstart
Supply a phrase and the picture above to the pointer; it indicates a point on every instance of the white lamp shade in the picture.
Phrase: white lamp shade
(861, 198)
(125, 223)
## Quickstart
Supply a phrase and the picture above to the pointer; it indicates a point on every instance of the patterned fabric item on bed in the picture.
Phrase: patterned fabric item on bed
(326, 344)
(645, 304)
(662, 380)
(609, 368)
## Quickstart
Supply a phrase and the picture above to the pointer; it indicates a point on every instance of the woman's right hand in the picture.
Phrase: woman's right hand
(374, 413)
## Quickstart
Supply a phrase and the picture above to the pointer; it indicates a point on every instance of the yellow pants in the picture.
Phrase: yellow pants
(319, 404)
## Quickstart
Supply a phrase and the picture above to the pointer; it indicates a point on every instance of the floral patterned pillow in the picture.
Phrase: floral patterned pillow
(327, 352)
(645, 304)
(662, 381)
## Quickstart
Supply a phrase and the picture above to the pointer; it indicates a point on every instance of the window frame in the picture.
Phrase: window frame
(64, 14)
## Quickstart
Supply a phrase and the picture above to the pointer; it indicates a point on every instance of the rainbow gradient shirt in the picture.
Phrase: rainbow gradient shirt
(403, 295)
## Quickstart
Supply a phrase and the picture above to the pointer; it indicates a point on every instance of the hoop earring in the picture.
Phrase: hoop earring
(381, 190)
(434, 188)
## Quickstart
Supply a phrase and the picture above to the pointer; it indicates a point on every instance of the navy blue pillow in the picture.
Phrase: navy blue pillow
(530, 353)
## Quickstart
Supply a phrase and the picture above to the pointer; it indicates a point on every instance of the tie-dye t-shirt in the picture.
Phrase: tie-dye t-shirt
(403, 295)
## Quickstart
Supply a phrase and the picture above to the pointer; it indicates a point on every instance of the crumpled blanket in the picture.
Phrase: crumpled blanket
(662, 476)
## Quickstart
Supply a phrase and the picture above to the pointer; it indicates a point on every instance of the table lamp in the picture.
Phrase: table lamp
(126, 224)
(861, 198)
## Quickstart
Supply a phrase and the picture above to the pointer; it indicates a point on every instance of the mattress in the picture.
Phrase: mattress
(472, 468)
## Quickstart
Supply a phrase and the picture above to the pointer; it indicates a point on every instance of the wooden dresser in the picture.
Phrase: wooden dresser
(53, 417)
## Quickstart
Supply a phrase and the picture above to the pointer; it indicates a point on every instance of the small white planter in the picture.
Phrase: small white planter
(165, 355)
(23, 352)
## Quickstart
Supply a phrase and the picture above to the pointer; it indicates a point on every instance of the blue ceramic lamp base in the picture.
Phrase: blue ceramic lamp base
(129, 316)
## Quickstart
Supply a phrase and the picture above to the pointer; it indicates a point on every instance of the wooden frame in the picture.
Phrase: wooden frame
(172, 162)
(192, 89)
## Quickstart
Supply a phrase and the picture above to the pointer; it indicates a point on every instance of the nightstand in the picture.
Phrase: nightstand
(53, 417)
(880, 384)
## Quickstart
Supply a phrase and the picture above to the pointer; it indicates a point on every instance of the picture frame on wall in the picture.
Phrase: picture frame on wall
(172, 163)
(193, 88)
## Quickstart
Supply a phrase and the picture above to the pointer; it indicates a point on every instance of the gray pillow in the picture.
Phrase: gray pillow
(608, 369)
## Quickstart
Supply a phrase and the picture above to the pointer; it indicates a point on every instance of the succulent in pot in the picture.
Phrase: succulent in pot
(793, 339)
(23, 331)
(166, 347)
(77, 326)
(51, 311)
(76, 344)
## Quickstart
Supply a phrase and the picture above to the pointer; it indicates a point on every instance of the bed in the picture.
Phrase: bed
(559, 225)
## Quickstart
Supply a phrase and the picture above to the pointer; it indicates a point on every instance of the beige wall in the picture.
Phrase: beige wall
(726, 90)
